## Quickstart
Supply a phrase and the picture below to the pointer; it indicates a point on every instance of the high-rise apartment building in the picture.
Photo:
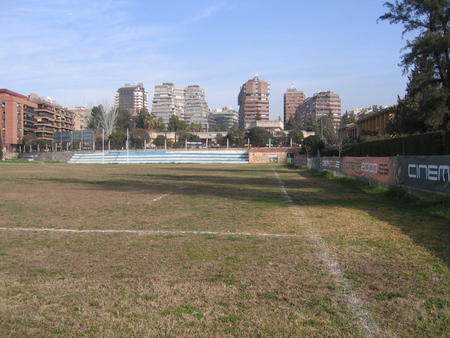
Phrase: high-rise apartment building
(323, 104)
(226, 118)
(132, 98)
(168, 100)
(253, 102)
(292, 99)
(188, 103)
(196, 109)
(16, 118)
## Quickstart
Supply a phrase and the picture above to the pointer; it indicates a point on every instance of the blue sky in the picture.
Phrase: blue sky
(80, 51)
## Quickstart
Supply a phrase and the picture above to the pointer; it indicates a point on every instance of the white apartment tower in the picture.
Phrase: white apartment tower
(196, 109)
(168, 100)
(188, 103)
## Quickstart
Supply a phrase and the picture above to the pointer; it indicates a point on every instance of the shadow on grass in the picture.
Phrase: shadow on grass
(410, 215)
(425, 220)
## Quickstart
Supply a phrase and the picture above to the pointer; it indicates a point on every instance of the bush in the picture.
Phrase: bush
(159, 141)
(259, 137)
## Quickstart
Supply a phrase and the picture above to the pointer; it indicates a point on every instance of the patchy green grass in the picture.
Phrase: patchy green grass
(436, 206)
(392, 249)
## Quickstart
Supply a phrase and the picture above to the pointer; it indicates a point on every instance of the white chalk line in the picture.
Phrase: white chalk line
(354, 303)
(153, 232)
(160, 197)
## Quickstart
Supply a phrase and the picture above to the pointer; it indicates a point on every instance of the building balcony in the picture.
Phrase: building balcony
(46, 110)
(44, 124)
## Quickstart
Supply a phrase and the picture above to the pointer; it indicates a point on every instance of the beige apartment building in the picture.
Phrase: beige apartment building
(253, 102)
(81, 117)
(292, 99)
(50, 117)
(320, 105)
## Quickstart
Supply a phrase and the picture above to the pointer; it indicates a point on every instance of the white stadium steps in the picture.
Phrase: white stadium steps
(143, 157)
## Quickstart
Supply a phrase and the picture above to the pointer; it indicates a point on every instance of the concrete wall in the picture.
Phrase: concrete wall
(9, 155)
(59, 156)
(270, 155)
(430, 174)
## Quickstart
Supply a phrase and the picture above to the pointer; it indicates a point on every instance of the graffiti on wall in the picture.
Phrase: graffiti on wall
(430, 173)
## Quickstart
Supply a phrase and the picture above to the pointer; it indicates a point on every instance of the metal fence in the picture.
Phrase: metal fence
(83, 136)
(437, 143)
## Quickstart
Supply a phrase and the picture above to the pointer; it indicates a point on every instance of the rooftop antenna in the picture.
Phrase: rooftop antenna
(292, 85)
(256, 75)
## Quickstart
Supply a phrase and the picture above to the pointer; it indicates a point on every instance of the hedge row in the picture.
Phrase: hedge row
(437, 143)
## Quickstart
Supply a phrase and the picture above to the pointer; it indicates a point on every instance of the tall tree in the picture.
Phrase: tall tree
(175, 124)
(325, 129)
(143, 119)
(259, 137)
(296, 136)
(123, 120)
(312, 144)
(195, 127)
(95, 120)
(236, 137)
(426, 60)
(103, 119)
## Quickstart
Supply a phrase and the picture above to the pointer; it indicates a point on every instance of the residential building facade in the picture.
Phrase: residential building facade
(32, 115)
(188, 103)
(253, 102)
(196, 109)
(81, 117)
(16, 118)
(50, 117)
(132, 98)
(323, 104)
(291, 100)
(226, 118)
(371, 120)
(168, 100)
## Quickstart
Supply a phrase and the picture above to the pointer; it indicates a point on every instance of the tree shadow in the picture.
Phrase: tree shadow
(353, 194)
(264, 188)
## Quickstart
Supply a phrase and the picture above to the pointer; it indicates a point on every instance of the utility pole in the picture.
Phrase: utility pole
(207, 134)
(127, 147)
(103, 145)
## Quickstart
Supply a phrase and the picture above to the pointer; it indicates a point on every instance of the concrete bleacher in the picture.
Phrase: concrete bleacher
(186, 156)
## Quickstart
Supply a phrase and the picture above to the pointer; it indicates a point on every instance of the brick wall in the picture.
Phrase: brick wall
(270, 155)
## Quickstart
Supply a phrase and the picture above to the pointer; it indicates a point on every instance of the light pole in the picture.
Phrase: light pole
(103, 145)
(207, 134)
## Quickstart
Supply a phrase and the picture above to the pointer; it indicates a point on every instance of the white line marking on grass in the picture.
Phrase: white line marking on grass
(160, 197)
(355, 304)
(155, 232)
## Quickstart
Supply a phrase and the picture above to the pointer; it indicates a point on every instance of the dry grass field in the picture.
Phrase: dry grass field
(353, 261)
